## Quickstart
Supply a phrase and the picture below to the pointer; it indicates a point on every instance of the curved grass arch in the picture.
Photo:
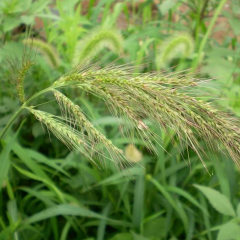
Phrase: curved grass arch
(173, 46)
(94, 42)
(45, 49)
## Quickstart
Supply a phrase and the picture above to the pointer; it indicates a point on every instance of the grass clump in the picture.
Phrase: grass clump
(166, 101)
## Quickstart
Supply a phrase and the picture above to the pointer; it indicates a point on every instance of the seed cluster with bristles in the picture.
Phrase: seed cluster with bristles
(47, 50)
(94, 42)
(77, 119)
(61, 130)
(164, 100)
(18, 70)
(173, 46)
(75, 139)
(169, 102)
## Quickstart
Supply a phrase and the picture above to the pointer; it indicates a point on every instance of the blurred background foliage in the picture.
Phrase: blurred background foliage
(48, 192)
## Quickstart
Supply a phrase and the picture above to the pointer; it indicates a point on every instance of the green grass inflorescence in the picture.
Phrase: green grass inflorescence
(166, 101)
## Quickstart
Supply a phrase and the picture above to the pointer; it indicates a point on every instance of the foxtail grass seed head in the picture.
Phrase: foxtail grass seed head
(167, 101)
(18, 69)
(72, 134)
(177, 45)
(77, 119)
(95, 41)
(46, 49)
(170, 102)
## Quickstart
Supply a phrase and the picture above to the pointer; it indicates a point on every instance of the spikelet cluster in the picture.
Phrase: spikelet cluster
(75, 138)
(18, 70)
(167, 101)
(77, 119)
(177, 45)
(47, 50)
(94, 42)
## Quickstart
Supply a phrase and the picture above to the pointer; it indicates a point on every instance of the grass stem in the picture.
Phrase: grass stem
(18, 112)
(206, 36)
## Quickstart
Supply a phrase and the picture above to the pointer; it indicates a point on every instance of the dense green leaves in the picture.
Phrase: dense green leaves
(5, 158)
(220, 202)
(5, 163)
(63, 209)
(229, 231)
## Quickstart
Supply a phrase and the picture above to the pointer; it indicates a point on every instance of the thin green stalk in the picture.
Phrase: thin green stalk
(10, 190)
(10, 122)
(198, 17)
(203, 42)
(38, 94)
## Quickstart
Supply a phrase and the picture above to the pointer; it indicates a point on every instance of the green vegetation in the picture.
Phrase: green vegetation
(96, 143)
(173, 46)
(94, 42)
